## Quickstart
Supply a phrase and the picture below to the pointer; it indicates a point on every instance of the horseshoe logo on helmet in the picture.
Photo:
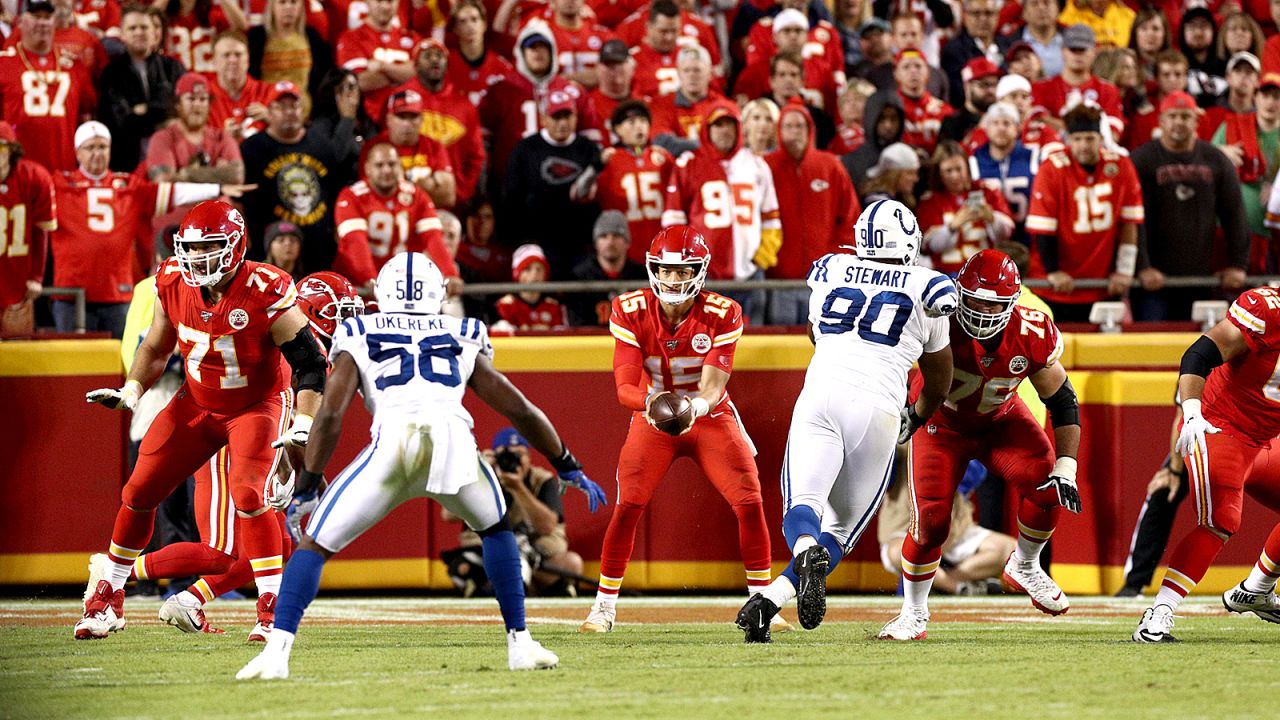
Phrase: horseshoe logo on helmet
(902, 222)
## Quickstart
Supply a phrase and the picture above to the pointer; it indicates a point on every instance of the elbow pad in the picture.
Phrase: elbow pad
(1201, 358)
(1063, 406)
(309, 366)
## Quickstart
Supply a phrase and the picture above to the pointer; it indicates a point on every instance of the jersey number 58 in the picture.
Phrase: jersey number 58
(390, 346)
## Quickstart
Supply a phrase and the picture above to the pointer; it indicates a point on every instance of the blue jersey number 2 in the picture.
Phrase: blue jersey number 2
(445, 347)
(842, 321)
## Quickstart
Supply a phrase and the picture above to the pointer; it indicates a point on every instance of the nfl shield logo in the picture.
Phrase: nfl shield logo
(672, 344)
(986, 361)
(204, 315)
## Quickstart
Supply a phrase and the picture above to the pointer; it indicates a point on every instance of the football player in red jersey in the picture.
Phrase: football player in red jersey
(635, 174)
(675, 337)
(232, 320)
(1230, 401)
(383, 216)
(996, 344)
(27, 216)
(1086, 206)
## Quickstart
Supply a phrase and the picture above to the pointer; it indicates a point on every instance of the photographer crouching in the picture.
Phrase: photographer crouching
(536, 515)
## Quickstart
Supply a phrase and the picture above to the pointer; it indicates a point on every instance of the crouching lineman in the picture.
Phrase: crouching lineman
(872, 316)
(413, 366)
(995, 344)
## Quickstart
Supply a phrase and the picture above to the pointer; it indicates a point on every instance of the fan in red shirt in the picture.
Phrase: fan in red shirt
(426, 162)
(679, 115)
(474, 66)
(1086, 206)
(578, 39)
(959, 217)
(235, 324)
(789, 29)
(509, 112)
(103, 228)
(27, 216)
(656, 56)
(614, 75)
(995, 344)
(448, 118)
(1077, 83)
(674, 337)
(611, 13)
(635, 175)
(924, 112)
(344, 15)
(237, 101)
(1230, 414)
(1033, 120)
(101, 17)
(528, 310)
(42, 94)
(822, 39)
(70, 39)
(382, 216)
(817, 204)
(190, 34)
(693, 31)
(380, 54)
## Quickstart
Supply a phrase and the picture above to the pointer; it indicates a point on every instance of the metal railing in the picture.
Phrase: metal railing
(77, 295)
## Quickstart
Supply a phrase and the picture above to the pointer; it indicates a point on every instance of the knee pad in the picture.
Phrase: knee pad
(501, 526)
(134, 499)
(1225, 523)
(247, 499)
(931, 522)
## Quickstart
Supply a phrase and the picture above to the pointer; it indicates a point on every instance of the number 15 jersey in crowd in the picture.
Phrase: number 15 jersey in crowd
(870, 326)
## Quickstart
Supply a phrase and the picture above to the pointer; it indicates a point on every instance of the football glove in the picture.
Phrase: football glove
(302, 506)
(1068, 492)
(125, 398)
(1194, 428)
(595, 493)
(281, 493)
(910, 422)
(297, 433)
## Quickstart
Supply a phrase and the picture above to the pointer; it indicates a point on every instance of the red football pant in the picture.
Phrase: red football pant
(1218, 479)
(1014, 448)
(719, 446)
(180, 440)
(240, 572)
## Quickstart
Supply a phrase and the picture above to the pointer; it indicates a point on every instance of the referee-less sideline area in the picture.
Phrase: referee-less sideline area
(65, 463)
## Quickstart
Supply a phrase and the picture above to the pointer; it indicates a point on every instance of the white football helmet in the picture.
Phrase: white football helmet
(887, 230)
(410, 283)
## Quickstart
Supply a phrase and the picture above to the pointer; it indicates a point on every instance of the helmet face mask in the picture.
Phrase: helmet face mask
(887, 230)
(327, 298)
(991, 278)
(410, 283)
(209, 244)
(677, 248)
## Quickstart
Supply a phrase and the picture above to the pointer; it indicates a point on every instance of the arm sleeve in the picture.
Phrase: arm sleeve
(429, 235)
(628, 375)
(1047, 245)
(185, 193)
(1042, 218)
(1132, 210)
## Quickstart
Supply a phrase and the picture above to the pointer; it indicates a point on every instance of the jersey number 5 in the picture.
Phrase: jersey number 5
(843, 311)
(430, 348)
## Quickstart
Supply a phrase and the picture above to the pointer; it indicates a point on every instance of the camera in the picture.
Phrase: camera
(507, 460)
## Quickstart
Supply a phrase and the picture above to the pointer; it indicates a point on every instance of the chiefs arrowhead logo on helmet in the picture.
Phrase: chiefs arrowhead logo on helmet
(326, 298)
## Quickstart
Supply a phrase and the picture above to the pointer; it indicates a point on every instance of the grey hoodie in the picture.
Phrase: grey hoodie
(858, 162)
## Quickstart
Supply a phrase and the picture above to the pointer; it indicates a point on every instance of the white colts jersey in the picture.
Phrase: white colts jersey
(870, 325)
(413, 368)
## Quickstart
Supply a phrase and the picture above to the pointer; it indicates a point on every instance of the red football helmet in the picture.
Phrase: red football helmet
(326, 298)
(678, 245)
(989, 276)
(212, 221)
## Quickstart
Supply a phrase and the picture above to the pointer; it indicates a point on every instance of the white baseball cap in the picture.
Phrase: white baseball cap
(1011, 83)
(90, 130)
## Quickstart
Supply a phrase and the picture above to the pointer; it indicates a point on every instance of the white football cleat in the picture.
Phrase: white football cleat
(268, 665)
(266, 618)
(525, 653)
(911, 624)
(1264, 605)
(1030, 578)
(183, 611)
(1156, 626)
(599, 621)
(103, 613)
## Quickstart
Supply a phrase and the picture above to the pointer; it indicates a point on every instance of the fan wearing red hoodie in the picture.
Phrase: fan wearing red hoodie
(817, 203)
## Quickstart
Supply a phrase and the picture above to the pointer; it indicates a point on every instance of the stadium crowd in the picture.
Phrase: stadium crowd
(520, 140)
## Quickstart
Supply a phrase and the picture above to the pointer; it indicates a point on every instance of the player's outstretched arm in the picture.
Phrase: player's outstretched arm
(498, 393)
(341, 387)
(1223, 343)
(1054, 388)
(710, 390)
(148, 364)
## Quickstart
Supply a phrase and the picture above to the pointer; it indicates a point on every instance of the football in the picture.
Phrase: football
(670, 413)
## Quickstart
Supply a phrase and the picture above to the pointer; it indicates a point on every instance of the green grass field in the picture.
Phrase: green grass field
(400, 658)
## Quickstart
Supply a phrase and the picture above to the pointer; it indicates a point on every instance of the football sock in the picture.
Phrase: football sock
(130, 535)
(798, 522)
(1188, 564)
(238, 575)
(1262, 578)
(919, 566)
(181, 560)
(753, 542)
(833, 546)
(260, 541)
(299, 587)
(781, 591)
(502, 564)
(1031, 536)
(787, 590)
(619, 541)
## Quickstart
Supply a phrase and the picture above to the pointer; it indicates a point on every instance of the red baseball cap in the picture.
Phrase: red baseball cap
(909, 53)
(405, 101)
(1178, 101)
(282, 89)
(189, 82)
(1270, 79)
(7, 135)
(559, 101)
(979, 68)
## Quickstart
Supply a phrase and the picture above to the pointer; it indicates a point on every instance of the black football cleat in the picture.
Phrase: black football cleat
(811, 597)
(756, 617)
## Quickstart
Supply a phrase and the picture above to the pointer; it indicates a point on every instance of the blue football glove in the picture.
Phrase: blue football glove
(299, 508)
(595, 493)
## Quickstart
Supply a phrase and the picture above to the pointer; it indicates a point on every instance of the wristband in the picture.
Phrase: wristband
(307, 481)
(700, 407)
(132, 387)
(1127, 260)
(566, 463)
(1065, 467)
(302, 421)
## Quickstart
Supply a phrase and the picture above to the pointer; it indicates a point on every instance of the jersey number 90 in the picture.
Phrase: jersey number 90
(844, 311)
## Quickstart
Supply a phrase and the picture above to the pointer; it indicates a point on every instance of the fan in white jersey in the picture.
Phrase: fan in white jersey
(413, 366)
(871, 316)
